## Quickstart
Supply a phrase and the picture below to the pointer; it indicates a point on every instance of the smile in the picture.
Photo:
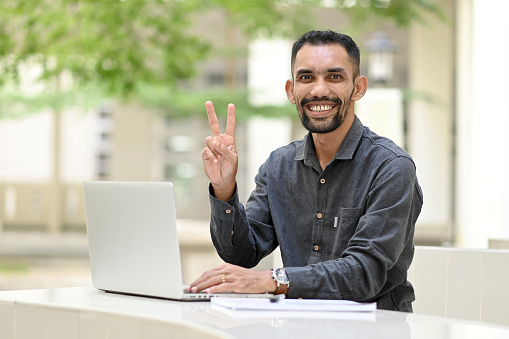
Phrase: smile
(320, 108)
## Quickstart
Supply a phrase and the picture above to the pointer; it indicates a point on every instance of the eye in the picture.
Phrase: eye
(336, 76)
(305, 77)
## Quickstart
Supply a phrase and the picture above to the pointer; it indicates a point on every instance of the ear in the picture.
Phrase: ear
(361, 86)
(289, 90)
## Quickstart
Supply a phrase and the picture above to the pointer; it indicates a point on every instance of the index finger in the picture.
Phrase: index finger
(230, 120)
(213, 122)
(206, 280)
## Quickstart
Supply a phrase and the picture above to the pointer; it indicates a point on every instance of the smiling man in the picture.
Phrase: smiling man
(341, 203)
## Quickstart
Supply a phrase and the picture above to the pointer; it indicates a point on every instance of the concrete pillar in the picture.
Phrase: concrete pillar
(132, 143)
(430, 119)
(55, 187)
(381, 109)
(266, 57)
(482, 119)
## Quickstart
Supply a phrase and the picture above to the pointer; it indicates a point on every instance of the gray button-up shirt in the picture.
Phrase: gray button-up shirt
(345, 232)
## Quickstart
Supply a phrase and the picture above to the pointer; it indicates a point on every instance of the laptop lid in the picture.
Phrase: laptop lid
(132, 236)
(133, 242)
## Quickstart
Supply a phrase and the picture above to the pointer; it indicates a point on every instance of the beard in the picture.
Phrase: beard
(325, 124)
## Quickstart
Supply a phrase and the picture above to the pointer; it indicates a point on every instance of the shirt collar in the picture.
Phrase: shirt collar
(306, 150)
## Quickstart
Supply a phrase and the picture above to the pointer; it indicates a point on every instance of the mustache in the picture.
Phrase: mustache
(308, 100)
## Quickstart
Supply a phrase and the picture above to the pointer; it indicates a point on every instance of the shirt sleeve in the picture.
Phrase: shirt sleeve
(381, 249)
(238, 239)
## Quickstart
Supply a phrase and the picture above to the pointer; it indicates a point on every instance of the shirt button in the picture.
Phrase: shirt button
(316, 247)
(319, 215)
(322, 181)
(228, 211)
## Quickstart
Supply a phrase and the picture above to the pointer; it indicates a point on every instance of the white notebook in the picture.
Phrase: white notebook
(315, 305)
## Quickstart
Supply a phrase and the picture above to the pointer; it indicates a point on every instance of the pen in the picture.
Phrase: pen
(276, 298)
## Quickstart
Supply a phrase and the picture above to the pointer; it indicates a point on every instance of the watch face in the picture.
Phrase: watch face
(281, 276)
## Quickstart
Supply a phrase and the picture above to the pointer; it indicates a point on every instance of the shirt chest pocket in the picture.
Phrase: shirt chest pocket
(345, 224)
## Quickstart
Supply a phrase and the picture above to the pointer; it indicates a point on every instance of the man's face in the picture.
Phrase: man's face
(323, 86)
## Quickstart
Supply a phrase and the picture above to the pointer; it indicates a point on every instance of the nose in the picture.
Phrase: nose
(320, 88)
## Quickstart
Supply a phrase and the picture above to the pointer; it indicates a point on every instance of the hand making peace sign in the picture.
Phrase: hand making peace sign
(220, 158)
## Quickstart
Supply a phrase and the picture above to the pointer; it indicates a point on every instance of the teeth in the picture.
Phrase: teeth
(320, 108)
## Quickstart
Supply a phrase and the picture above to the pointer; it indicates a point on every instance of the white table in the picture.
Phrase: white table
(84, 312)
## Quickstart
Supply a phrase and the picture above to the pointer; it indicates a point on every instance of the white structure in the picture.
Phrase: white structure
(26, 139)
(268, 68)
(381, 109)
(27, 147)
(268, 71)
(455, 131)
(482, 120)
(430, 116)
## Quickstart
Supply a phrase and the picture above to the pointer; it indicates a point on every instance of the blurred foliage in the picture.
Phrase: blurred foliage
(14, 104)
(183, 103)
(400, 12)
(14, 267)
(116, 48)
(116, 43)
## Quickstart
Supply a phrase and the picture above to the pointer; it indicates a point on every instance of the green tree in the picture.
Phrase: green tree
(117, 48)
(116, 43)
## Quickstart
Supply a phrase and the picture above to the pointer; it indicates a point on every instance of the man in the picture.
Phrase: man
(341, 203)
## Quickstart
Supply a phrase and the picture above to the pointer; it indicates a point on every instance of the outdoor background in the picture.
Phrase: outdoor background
(115, 90)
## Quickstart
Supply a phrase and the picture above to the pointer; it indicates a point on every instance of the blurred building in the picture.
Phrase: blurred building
(442, 104)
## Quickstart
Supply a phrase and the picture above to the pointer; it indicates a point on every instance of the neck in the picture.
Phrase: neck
(327, 144)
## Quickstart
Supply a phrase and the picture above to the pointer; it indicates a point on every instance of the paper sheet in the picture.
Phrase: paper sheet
(294, 305)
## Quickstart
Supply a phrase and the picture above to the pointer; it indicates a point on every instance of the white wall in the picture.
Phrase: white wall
(431, 118)
(381, 109)
(264, 135)
(461, 283)
(26, 147)
(482, 121)
(79, 146)
(268, 70)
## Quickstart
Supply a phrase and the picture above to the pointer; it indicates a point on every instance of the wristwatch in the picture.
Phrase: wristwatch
(280, 277)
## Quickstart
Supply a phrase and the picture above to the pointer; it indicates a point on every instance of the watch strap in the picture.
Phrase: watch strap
(281, 288)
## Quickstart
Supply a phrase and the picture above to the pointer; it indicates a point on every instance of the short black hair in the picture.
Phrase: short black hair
(327, 37)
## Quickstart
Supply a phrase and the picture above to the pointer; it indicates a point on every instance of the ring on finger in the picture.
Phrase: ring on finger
(223, 278)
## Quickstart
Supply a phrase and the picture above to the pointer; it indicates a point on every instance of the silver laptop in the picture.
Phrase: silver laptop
(133, 243)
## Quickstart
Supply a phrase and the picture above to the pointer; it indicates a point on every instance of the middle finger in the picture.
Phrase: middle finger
(230, 121)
